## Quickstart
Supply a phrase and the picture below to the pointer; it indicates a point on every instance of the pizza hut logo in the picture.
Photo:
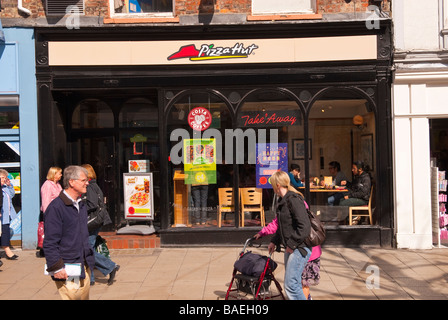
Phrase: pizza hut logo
(211, 52)
(199, 119)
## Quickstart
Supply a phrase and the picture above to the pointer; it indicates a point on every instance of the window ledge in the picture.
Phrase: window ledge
(142, 20)
(284, 17)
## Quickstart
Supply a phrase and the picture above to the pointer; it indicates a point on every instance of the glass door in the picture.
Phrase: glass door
(100, 153)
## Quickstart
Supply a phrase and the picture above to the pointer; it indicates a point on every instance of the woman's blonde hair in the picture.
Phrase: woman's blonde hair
(52, 172)
(90, 171)
(3, 172)
(281, 178)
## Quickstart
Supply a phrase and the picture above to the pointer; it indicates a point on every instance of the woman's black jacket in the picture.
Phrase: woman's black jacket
(293, 222)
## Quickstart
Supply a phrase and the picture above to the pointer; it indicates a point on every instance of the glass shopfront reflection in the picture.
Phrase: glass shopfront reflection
(220, 155)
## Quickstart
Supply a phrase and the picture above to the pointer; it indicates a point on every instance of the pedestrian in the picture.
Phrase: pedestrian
(94, 200)
(8, 214)
(50, 189)
(293, 228)
(311, 273)
(66, 242)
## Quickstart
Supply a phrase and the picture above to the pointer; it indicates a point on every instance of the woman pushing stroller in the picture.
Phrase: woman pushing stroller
(291, 227)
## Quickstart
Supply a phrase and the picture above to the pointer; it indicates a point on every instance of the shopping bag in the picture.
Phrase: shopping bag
(101, 247)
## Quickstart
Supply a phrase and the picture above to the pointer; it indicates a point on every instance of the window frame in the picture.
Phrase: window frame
(285, 11)
(115, 15)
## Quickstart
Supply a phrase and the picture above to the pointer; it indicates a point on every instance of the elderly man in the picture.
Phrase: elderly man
(66, 242)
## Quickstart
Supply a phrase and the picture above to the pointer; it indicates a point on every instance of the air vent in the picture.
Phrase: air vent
(59, 7)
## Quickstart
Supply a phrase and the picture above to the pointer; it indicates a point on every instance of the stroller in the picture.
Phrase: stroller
(253, 275)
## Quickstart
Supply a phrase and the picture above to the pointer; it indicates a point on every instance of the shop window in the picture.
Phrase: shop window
(268, 7)
(137, 8)
(9, 153)
(9, 117)
(342, 130)
(135, 114)
(92, 114)
(271, 121)
(198, 168)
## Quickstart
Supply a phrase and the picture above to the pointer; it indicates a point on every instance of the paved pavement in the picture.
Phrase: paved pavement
(204, 274)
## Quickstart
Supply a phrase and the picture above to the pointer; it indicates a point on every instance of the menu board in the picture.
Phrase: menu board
(138, 196)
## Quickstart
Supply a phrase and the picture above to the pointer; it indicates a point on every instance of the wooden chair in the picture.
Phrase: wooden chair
(367, 208)
(252, 201)
(226, 203)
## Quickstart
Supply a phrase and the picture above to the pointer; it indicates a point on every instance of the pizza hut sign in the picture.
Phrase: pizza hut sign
(199, 119)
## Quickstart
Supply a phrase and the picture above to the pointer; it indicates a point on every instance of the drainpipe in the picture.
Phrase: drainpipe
(22, 9)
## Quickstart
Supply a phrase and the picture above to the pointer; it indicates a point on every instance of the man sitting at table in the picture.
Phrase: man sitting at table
(338, 176)
(294, 176)
(359, 189)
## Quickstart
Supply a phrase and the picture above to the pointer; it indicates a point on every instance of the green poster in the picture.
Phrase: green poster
(200, 161)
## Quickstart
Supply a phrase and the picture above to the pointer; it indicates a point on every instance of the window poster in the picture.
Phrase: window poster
(200, 161)
(271, 157)
(138, 196)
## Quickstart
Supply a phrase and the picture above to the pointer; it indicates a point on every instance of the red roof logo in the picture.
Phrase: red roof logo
(211, 52)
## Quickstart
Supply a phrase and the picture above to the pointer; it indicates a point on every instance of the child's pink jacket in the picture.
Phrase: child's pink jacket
(271, 228)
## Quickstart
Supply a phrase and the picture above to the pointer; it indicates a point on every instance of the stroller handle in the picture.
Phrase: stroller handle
(249, 243)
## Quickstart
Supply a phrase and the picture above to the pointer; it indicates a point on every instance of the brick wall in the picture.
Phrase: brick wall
(193, 7)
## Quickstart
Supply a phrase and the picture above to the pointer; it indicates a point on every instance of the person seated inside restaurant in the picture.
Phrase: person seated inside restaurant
(359, 189)
(338, 176)
(294, 176)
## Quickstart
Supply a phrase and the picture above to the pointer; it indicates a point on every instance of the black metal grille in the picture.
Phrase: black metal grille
(60, 7)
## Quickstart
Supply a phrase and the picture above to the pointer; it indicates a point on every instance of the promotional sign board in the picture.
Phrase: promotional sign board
(138, 165)
(271, 157)
(200, 161)
(138, 196)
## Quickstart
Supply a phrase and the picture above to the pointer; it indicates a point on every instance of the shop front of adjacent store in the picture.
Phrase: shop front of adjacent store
(209, 119)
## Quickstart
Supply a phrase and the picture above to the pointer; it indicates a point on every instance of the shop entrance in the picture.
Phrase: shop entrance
(109, 131)
(100, 153)
(439, 176)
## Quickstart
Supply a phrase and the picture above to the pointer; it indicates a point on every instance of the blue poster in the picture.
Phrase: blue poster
(271, 157)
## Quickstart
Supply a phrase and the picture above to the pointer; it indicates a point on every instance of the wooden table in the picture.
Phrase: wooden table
(319, 195)
(323, 189)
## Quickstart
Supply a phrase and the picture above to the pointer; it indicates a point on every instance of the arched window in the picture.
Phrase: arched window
(92, 114)
(138, 113)
(341, 125)
(271, 138)
(197, 167)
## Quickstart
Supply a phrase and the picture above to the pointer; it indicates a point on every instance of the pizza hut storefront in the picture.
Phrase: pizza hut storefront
(214, 116)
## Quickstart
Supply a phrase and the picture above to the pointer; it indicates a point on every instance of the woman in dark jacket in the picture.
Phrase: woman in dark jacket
(293, 228)
(94, 200)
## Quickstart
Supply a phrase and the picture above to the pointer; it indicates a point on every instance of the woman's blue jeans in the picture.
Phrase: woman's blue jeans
(294, 265)
(103, 264)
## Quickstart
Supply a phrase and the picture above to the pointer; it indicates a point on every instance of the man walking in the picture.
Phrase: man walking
(68, 254)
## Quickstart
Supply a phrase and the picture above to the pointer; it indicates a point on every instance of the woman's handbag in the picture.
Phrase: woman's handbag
(317, 234)
(97, 216)
(40, 235)
(95, 219)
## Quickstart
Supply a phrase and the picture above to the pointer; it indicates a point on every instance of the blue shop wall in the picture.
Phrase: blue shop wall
(17, 76)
